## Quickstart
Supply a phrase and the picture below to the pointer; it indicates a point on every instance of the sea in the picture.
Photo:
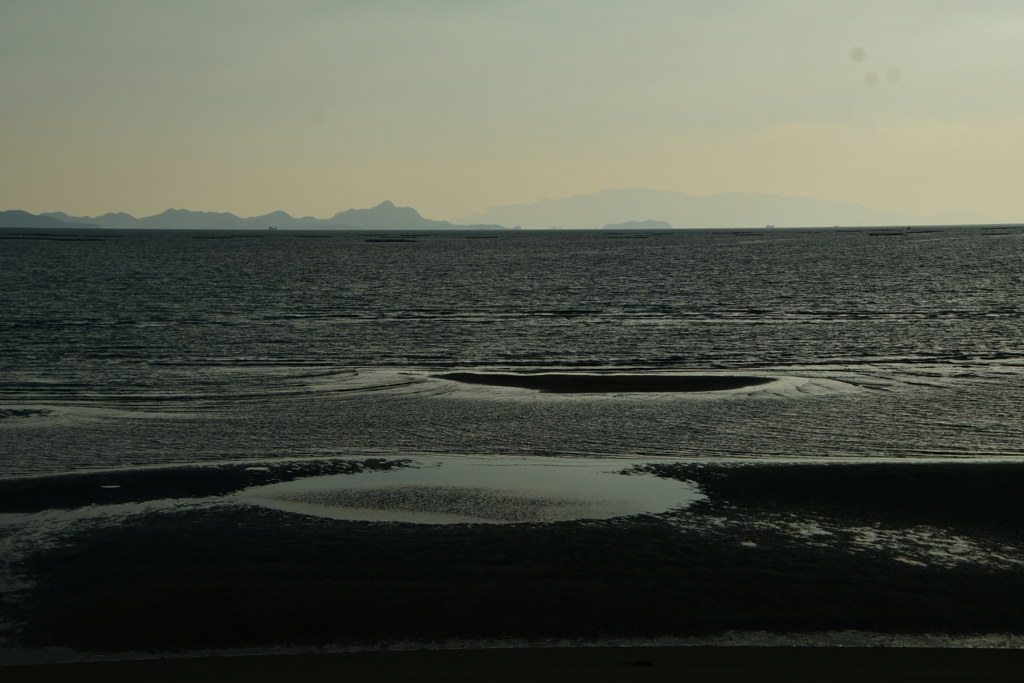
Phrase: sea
(161, 347)
(136, 350)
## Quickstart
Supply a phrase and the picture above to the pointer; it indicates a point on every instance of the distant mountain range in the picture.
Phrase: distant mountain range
(385, 216)
(728, 210)
(24, 219)
(622, 209)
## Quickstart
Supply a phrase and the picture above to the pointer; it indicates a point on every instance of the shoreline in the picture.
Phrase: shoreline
(693, 664)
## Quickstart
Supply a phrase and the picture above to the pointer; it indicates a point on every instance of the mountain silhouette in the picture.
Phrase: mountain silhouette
(110, 220)
(732, 209)
(384, 216)
(605, 209)
(24, 219)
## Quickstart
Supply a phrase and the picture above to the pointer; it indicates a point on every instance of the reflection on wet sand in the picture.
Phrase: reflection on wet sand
(479, 491)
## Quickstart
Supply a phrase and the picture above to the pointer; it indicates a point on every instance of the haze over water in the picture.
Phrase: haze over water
(157, 347)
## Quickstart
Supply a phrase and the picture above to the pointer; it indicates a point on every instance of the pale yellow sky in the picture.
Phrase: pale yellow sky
(454, 107)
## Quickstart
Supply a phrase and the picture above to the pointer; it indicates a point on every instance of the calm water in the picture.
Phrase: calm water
(161, 347)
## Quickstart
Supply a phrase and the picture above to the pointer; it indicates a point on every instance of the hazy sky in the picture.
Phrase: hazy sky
(453, 107)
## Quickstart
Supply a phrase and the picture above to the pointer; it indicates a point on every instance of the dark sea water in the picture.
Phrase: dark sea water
(172, 347)
(188, 419)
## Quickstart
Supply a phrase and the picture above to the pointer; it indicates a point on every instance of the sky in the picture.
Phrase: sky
(453, 107)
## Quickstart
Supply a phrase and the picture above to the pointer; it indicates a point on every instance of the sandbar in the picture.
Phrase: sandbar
(578, 383)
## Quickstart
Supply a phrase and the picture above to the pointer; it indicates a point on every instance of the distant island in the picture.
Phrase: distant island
(726, 210)
(384, 216)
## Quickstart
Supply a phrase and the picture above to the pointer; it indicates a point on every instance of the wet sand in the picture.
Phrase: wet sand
(564, 665)
(572, 383)
(776, 548)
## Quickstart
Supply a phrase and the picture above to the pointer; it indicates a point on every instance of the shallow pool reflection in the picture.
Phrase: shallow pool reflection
(483, 491)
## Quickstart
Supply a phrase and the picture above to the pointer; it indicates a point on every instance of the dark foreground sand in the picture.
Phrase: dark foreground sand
(564, 665)
(229, 576)
(575, 383)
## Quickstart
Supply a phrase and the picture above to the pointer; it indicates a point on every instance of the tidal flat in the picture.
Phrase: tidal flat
(174, 563)
(868, 483)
